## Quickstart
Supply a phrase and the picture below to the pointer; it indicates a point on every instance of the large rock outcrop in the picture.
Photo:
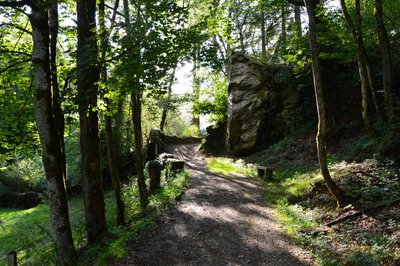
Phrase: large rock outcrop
(262, 99)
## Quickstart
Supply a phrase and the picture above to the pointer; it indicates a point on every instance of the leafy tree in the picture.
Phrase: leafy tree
(49, 137)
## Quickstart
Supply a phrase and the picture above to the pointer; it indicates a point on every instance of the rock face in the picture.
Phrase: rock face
(261, 100)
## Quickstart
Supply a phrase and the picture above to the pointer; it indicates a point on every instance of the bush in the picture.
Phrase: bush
(23, 174)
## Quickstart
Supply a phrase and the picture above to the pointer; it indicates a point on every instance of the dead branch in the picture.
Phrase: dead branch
(367, 174)
(361, 212)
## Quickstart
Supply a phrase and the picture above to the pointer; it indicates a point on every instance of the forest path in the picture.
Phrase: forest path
(220, 221)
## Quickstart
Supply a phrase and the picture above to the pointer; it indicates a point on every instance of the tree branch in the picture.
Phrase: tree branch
(14, 65)
(13, 3)
(17, 27)
(296, 2)
(14, 52)
(119, 56)
(114, 11)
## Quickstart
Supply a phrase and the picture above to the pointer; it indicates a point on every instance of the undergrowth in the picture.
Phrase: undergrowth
(303, 205)
(28, 231)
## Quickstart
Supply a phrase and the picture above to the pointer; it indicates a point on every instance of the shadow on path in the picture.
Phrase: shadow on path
(218, 222)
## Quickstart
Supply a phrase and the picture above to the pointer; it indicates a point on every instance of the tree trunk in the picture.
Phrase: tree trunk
(137, 128)
(386, 60)
(112, 161)
(136, 106)
(112, 164)
(58, 113)
(263, 37)
(372, 86)
(196, 84)
(49, 137)
(362, 62)
(297, 20)
(165, 110)
(337, 193)
(283, 25)
(88, 77)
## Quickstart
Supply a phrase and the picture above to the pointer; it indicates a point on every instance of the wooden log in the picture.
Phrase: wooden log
(12, 258)
(265, 173)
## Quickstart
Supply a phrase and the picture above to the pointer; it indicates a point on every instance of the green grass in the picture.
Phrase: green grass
(289, 185)
(227, 166)
(28, 231)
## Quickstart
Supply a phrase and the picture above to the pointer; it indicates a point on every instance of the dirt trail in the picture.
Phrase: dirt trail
(220, 221)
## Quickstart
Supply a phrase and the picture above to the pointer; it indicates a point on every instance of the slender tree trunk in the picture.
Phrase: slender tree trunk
(362, 62)
(196, 84)
(58, 113)
(364, 57)
(118, 128)
(228, 44)
(337, 193)
(137, 128)
(297, 20)
(112, 161)
(112, 164)
(88, 77)
(263, 37)
(136, 106)
(165, 110)
(49, 137)
(372, 86)
(386, 59)
(283, 25)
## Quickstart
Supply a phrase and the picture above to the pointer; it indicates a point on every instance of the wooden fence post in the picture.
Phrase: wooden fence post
(12, 258)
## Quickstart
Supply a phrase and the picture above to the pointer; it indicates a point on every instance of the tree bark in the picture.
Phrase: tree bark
(283, 24)
(49, 137)
(137, 127)
(336, 192)
(386, 60)
(362, 62)
(58, 113)
(196, 84)
(263, 37)
(88, 77)
(297, 20)
(112, 164)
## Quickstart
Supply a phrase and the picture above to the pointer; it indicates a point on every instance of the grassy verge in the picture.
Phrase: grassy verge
(227, 166)
(27, 231)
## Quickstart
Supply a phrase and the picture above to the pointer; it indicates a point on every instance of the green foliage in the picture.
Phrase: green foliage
(214, 99)
(191, 131)
(23, 174)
